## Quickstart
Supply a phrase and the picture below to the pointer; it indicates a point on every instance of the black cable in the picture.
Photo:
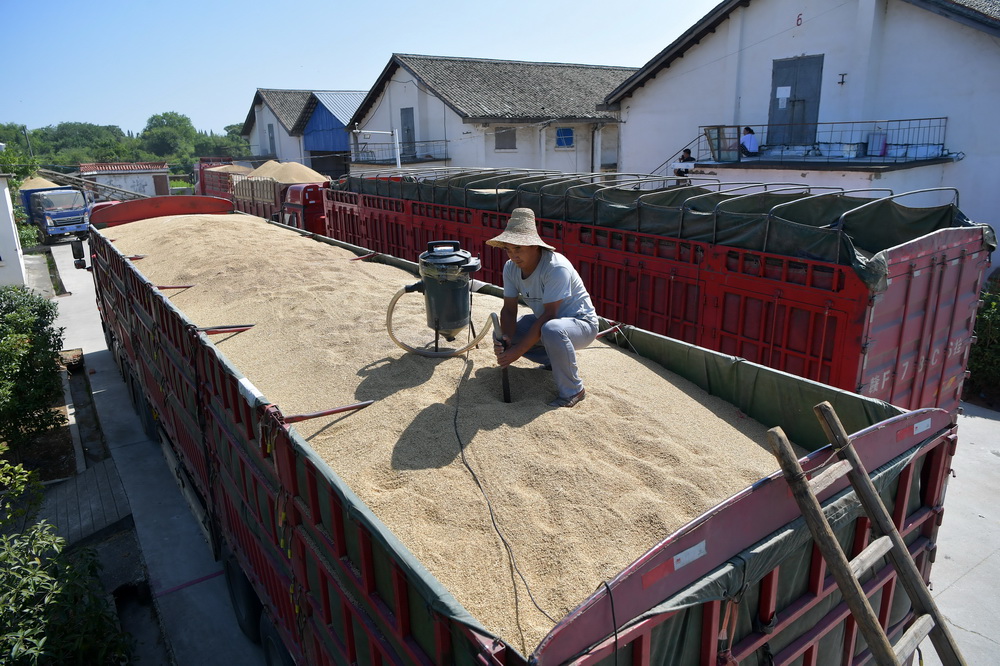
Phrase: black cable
(489, 505)
(614, 620)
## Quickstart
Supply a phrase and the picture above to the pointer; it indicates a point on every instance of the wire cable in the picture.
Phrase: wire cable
(482, 490)
(614, 620)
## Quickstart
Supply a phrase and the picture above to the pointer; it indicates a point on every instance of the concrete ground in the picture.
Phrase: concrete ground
(186, 584)
(967, 569)
(190, 594)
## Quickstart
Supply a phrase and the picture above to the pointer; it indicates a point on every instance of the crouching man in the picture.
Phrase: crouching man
(563, 318)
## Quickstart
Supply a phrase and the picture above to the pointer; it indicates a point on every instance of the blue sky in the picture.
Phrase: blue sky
(116, 62)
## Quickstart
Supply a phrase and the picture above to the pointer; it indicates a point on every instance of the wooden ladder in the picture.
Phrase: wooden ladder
(929, 620)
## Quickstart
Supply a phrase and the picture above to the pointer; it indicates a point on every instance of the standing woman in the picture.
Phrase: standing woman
(562, 317)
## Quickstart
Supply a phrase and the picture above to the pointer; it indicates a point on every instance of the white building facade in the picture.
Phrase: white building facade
(448, 123)
(12, 269)
(270, 121)
(898, 62)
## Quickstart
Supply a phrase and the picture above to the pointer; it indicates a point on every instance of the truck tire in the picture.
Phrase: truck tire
(275, 653)
(47, 239)
(246, 605)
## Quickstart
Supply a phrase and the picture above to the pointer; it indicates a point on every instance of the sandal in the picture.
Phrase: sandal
(570, 401)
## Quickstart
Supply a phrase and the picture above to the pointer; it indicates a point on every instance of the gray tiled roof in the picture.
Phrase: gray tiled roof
(984, 14)
(980, 14)
(287, 106)
(507, 90)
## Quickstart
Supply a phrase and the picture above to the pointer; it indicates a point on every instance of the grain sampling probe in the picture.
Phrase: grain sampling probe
(445, 269)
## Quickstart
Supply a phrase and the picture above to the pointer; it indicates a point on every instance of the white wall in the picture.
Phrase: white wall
(141, 183)
(287, 148)
(934, 67)
(473, 144)
(11, 259)
(899, 62)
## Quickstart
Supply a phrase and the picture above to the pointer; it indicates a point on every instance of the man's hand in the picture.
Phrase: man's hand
(505, 355)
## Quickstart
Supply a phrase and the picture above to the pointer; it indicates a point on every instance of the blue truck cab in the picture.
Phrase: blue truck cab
(58, 211)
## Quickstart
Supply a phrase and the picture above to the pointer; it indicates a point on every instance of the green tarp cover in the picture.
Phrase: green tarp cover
(764, 394)
(833, 228)
(737, 579)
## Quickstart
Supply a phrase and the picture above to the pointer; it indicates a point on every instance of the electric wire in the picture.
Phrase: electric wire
(614, 619)
(482, 490)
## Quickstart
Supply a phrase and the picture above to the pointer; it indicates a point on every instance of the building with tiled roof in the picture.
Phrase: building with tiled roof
(480, 112)
(150, 178)
(323, 128)
(893, 94)
(305, 126)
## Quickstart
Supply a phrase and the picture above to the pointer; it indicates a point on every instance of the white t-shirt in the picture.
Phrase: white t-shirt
(554, 279)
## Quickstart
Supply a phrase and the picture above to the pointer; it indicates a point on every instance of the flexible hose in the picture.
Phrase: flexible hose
(425, 352)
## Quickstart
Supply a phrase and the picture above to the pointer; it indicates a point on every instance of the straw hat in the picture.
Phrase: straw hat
(520, 230)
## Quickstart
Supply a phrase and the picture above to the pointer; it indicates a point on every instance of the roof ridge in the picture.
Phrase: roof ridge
(508, 61)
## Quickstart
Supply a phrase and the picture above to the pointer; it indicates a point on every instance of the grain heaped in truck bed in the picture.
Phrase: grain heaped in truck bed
(287, 173)
(37, 183)
(578, 493)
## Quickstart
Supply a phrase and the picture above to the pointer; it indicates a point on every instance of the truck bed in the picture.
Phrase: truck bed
(340, 586)
(578, 494)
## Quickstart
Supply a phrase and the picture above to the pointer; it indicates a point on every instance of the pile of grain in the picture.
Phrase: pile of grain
(579, 493)
(287, 173)
(36, 182)
(231, 168)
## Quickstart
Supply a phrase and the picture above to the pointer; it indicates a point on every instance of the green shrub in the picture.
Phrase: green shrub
(52, 610)
(20, 493)
(984, 356)
(30, 382)
(28, 235)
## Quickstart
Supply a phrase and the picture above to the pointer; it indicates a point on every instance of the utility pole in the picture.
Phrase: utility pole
(24, 129)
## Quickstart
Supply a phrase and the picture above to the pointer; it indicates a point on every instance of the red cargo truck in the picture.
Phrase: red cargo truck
(315, 572)
(863, 293)
(295, 204)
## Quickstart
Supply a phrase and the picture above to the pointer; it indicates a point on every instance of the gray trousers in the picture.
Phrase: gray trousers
(560, 339)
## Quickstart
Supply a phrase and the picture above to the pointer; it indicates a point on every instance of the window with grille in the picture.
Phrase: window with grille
(564, 137)
(506, 138)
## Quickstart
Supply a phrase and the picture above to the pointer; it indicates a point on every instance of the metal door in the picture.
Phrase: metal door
(407, 145)
(795, 90)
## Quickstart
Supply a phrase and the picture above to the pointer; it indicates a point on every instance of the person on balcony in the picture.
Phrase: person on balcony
(685, 157)
(748, 144)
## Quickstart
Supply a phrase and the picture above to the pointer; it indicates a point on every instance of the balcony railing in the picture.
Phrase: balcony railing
(410, 152)
(861, 142)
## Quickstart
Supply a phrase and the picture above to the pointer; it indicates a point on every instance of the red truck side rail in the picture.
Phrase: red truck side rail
(341, 589)
(907, 345)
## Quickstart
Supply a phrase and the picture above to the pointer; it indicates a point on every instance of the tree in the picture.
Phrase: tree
(14, 161)
(169, 133)
(214, 145)
(67, 136)
(167, 137)
(29, 372)
(52, 609)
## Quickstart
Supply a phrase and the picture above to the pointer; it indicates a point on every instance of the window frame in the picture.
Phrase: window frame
(560, 140)
(505, 130)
